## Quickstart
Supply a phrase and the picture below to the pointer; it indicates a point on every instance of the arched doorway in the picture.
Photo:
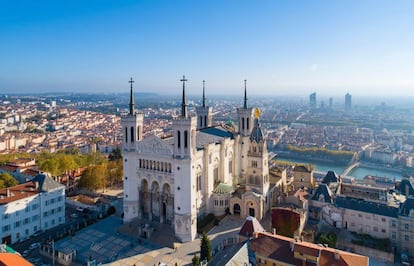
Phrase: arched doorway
(167, 204)
(155, 201)
(236, 209)
(251, 212)
(145, 203)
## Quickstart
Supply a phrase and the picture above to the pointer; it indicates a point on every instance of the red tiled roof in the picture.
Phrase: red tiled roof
(251, 225)
(8, 168)
(10, 259)
(21, 191)
(282, 249)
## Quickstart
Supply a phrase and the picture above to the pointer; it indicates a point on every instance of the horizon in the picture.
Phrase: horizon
(281, 48)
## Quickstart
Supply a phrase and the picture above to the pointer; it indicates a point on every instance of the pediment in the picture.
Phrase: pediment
(154, 145)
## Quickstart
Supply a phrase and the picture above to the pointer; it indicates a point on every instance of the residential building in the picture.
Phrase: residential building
(273, 249)
(30, 207)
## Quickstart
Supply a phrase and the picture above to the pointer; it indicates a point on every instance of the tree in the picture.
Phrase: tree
(6, 180)
(205, 248)
(115, 172)
(196, 260)
(115, 155)
(94, 177)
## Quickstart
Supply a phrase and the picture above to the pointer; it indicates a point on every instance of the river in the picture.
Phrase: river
(358, 173)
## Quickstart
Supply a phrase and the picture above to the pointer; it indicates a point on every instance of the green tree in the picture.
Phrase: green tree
(115, 173)
(6, 180)
(205, 248)
(196, 260)
(115, 155)
(94, 177)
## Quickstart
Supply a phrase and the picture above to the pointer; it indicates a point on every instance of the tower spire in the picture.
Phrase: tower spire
(131, 98)
(245, 94)
(204, 95)
(183, 104)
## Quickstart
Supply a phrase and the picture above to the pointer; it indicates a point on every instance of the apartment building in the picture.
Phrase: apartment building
(272, 249)
(30, 207)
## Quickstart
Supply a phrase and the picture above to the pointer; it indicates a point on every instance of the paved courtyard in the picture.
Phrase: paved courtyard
(112, 243)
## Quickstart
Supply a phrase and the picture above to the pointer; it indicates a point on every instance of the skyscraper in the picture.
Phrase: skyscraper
(348, 99)
(312, 101)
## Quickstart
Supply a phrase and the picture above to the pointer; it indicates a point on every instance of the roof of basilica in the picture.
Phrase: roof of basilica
(223, 188)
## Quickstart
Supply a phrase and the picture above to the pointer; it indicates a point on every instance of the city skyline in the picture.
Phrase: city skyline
(281, 48)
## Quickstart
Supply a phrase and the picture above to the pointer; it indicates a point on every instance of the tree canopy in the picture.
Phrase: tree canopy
(205, 248)
(6, 180)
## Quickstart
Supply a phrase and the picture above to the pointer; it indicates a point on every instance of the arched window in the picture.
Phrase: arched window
(126, 134)
(185, 139)
(179, 139)
(243, 123)
(201, 121)
(205, 121)
(139, 132)
(132, 134)
(248, 124)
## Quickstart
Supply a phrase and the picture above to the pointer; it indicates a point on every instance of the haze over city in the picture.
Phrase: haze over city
(280, 47)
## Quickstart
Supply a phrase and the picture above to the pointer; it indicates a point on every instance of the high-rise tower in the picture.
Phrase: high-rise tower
(312, 101)
(348, 102)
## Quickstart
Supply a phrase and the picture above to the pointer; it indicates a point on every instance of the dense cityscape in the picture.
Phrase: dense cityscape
(340, 133)
(170, 133)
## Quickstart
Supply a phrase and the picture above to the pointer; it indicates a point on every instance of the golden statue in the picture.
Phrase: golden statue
(257, 113)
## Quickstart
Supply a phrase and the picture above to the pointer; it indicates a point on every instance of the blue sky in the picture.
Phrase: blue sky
(280, 47)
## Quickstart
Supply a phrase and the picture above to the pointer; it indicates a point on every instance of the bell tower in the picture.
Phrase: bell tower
(132, 125)
(185, 213)
(204, 113)
(245, 126)
(258, 167)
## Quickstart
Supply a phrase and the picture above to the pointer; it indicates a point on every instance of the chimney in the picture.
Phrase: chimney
(273, 231)
(255, 234)
(36, 185)
(8, 193)
(337, 255)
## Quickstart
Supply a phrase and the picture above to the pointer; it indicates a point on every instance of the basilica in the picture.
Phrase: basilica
(200, 169)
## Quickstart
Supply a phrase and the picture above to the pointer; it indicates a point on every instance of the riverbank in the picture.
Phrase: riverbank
(360, 172)
(310, 157)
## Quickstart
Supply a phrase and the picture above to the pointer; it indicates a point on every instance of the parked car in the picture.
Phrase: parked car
(74, 215)
(80, 209)
(34, 245)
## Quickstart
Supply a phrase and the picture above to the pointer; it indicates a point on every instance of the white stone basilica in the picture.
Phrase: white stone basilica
(201, 169)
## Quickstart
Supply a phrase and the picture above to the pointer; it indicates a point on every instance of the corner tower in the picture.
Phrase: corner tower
(245, 126)
(204, 113)
(132, 125)
(185, 213)
(258, 168)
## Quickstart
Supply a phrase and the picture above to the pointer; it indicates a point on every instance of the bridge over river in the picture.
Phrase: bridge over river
(350, 168)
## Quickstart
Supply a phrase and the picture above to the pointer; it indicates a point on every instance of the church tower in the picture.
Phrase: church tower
(245, 126)
(185, 212)
(204, 113)
(258, 168)
(132, 125)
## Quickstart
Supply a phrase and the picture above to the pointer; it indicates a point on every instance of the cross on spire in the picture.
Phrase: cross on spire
(204, 96)
(183, 104)
(131, 98)
(245, 94)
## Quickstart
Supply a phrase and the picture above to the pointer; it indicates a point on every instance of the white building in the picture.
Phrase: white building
(201, 169)
(30, 207)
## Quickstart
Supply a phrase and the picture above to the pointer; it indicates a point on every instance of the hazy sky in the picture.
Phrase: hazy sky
(280, 47)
